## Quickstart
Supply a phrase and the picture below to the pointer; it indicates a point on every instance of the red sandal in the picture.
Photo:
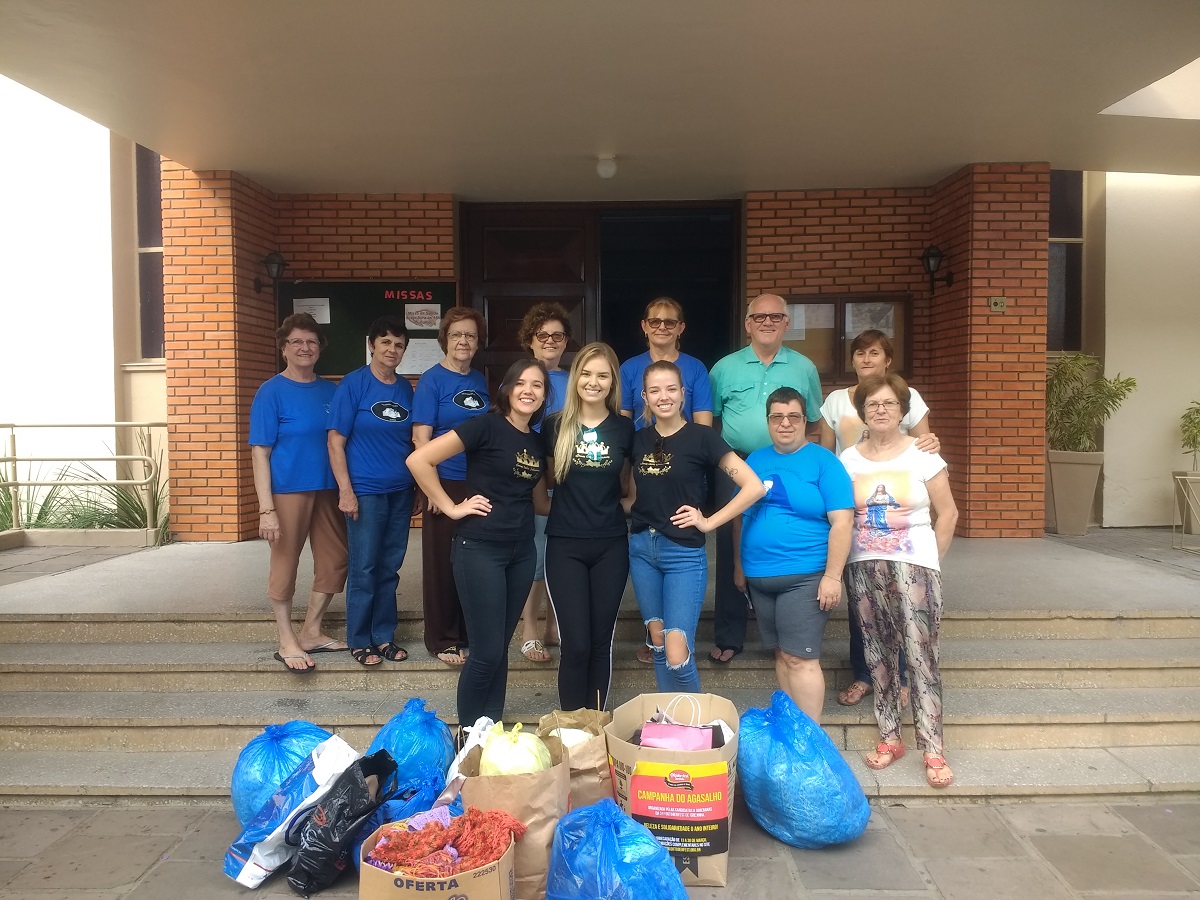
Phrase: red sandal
(935, 764)
(887, 753)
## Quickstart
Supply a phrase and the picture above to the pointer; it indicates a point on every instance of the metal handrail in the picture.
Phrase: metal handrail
(13, 484)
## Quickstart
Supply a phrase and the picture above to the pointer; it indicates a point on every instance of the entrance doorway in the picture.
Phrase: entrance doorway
(603, 263)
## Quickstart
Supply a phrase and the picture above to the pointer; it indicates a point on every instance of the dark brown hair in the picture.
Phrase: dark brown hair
(870, 338)
(462, 314)
(502, 404)
(873, 383)
(298, 322)
(537, 317)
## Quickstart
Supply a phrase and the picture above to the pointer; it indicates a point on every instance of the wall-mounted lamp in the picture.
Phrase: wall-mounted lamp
(274, 263)
(606, 167)
(931, 261)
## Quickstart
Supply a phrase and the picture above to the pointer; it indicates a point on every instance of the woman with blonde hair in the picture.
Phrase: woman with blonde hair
(589, 444)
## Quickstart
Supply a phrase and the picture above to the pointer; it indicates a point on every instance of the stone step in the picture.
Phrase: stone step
(235, 667)
(109, 776)
(259, 627)
(204, 720)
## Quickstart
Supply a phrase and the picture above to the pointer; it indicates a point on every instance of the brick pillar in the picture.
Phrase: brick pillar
(986, 370)
(217, 226)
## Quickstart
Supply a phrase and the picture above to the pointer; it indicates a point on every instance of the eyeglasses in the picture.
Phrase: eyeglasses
(301, 342)
(873, 405)
(455, 336)
(557, 336)
(759, 318)
(668, 324)
(793, 418)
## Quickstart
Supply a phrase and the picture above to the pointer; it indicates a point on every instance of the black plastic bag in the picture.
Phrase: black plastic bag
(326, 836)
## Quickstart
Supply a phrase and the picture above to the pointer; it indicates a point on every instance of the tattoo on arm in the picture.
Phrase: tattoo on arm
(731, 471)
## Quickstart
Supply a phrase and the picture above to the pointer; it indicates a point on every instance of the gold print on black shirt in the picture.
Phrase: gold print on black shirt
(656, 463)
(527, 467)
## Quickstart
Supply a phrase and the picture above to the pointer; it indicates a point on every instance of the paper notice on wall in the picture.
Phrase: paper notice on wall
(795, 331)
(422, 316)
(421, 355)
(317, 307)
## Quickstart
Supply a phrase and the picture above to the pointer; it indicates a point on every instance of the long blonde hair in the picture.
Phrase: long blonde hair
(568, 418)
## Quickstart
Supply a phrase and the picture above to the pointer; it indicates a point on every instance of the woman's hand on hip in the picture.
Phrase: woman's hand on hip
(690, 517)
(268, 527)
(478, 505)
(348, 503)
(829, 592)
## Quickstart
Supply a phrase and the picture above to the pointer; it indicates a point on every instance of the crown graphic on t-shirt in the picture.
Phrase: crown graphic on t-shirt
(527, 466)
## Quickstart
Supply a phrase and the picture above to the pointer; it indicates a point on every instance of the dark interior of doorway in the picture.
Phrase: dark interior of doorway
(690, 254)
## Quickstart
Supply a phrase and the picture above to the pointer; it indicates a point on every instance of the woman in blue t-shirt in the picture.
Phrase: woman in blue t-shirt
(793, 547)
(296, 492)
(672, 462)
(447, 395)
(370, 437)
(492, 555)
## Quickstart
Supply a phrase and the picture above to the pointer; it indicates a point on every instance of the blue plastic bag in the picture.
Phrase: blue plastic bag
(267, 760)
(796, 784)
(599, 853)
(417, 740)
(416, 795)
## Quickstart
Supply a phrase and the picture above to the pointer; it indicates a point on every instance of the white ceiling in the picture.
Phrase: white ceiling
(696, 98)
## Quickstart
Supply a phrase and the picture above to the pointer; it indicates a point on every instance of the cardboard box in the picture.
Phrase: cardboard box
(685, 798)
(495, 881)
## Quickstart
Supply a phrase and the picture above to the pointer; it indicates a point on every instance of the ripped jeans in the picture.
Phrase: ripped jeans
(669, 580)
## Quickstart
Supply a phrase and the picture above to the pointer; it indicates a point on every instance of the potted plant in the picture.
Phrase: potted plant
(1187, 491)
(1078, 403)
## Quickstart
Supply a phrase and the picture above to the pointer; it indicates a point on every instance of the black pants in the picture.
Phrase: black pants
(440, 603)
(493, 579)
(585, 579)
(730, 610)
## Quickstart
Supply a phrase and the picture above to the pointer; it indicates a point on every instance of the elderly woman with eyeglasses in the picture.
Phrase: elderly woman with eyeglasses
(447, 395)
(545, 331)
(793, 546)
(903, 525)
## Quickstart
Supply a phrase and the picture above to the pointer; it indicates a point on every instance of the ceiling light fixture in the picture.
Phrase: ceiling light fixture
(606, 167)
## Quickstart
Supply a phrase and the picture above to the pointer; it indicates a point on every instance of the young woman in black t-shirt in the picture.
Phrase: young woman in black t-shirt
(587, 548)
(672, 463)
(492, 552)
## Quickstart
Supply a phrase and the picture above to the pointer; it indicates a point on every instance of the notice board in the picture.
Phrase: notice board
(346, 309)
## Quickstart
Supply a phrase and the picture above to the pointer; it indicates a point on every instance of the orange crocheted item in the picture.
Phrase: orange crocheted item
(479, 837)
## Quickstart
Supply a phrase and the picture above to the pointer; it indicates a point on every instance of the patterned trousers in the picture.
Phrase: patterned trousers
(900, 605)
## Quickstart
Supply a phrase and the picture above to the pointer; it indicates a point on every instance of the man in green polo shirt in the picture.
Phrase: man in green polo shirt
(741, 383)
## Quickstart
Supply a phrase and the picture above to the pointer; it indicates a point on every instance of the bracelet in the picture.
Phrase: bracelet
(827, 575)
(265, 511)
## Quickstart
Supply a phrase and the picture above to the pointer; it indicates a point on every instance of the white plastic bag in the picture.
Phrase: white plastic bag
(514, 752)
(262, 847)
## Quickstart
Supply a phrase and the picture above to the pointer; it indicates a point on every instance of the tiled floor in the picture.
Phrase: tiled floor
(1035, 851)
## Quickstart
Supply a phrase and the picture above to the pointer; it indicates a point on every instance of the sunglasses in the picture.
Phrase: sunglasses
(557, 336)
(668, 324)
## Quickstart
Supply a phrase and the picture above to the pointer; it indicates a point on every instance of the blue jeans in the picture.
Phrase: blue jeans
(493, 579)
(669, 580)
(378, 541)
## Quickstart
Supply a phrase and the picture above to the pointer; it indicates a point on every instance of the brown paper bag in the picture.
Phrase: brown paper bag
(685, 797)
(538, 800)
(591, 780)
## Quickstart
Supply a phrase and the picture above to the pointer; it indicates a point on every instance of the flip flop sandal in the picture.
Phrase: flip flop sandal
(535, 646)
(935, 764)
(853, 695)
(889, 753)
(453, 651)
(720, 652)
(362, 654)
(329, 648)
(284, 661)
(393, 652)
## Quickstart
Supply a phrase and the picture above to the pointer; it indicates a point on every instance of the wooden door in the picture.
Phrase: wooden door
(522, 255)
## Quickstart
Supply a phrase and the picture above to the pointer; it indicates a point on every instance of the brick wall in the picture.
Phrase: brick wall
(217, 227)
(982, 372)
